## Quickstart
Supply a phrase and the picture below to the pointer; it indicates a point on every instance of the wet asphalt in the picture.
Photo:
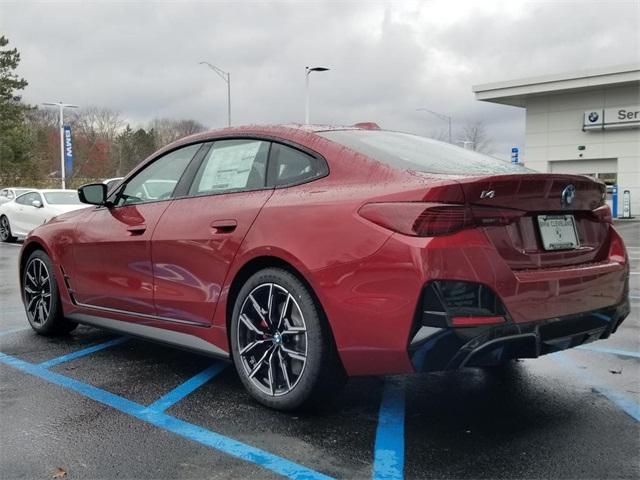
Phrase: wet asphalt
(568, 415)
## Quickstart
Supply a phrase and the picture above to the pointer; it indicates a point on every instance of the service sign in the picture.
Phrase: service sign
(617, 117)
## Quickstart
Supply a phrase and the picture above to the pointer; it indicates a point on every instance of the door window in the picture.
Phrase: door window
(289, 166)
(158, 180)
(232, 165)
(28, 198)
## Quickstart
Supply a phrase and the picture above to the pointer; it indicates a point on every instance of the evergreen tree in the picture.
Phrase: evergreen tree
(14, 133)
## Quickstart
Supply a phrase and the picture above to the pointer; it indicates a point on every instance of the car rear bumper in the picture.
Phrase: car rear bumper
(435, 349)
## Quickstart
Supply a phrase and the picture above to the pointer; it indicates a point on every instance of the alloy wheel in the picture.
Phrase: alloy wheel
(272, 339)
(37, 291)
(5, 230)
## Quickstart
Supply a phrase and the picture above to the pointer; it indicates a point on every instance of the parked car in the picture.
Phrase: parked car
(112, 182)
(8, 194)
(306, 255)
(35, 207)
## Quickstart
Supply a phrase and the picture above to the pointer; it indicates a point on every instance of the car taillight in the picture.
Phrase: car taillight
(603, 214)
(419, 219)
(430, 219)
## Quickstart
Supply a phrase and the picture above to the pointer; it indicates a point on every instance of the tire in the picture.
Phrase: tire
(287, 360)
(5, 230)
(41, 297)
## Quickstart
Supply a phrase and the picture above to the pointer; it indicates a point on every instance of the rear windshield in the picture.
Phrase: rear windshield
(62, 198)
(411, 152)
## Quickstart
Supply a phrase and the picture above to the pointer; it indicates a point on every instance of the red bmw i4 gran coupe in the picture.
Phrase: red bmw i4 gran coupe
(305, 255)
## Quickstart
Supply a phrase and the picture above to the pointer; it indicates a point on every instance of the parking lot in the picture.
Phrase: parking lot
(96, 405)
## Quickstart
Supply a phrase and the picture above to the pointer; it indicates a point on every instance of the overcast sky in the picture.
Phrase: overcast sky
(387, 58)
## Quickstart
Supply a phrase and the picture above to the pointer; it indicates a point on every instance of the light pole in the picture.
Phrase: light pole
(226, 76)
(308, 71)
(61, 106)
(441, 116)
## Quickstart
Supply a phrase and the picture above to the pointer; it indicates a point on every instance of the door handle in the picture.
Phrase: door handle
(137, 229)
(224, 226)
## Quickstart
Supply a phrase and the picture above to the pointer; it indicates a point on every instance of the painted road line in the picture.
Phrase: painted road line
(181, 391)
(622, 400)
(13, 330)
(388, 457)
(169, 423)
(84, 352)
(614, 351)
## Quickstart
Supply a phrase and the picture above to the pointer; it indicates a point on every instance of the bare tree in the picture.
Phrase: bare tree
(441, 135)
(168, 130)
(476, 135)
(98, 122)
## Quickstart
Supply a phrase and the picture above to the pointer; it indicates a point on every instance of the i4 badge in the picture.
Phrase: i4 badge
(487, 194)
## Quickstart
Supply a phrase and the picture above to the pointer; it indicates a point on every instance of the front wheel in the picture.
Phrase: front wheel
(5, 230)
(281, 344)
(41, 297)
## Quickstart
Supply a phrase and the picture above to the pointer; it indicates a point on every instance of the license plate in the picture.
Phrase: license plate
(558, 232)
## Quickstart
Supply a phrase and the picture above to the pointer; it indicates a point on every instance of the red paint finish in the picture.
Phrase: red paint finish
(112, 257)
(194, 244)
(368, 275)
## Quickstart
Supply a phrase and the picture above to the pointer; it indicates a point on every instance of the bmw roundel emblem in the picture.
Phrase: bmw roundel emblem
(568, 195)
(593, 117)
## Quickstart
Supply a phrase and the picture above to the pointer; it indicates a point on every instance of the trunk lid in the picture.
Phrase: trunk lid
(527, 196)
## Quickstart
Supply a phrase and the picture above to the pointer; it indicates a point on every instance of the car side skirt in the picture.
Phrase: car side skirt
(169, 337)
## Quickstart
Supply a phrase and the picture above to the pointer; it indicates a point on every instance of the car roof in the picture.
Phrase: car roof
(54, 190)
(283, 131)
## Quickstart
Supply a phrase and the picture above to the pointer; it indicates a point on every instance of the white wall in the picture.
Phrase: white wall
(554, 130)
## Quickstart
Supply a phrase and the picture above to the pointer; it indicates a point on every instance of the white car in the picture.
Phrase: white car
(35, 207)
(8, 194)
(112, 182)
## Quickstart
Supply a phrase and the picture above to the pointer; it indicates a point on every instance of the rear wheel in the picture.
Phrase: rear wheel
(281, 344)
(41, 297)
(5, 230)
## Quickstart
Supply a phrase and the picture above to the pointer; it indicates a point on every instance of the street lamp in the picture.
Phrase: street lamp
(61, 106)
(441, 116)
(308, 71)
(226, 76)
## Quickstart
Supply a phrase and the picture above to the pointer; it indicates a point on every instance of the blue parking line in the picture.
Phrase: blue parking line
(171, 424)
(388, 457)
(181, 391)
(623, 401)
(81, 353)
(614, 351)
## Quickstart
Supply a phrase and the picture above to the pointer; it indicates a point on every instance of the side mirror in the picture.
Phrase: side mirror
(37, 203)
(93, 193)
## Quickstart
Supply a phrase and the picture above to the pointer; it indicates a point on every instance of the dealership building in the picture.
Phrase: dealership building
(585, 122)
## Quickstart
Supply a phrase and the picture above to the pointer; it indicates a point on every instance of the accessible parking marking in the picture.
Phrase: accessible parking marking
(388, 459)
(81, 353)
(622, 400)
(169, 423)
(181, 391)
(614, 351)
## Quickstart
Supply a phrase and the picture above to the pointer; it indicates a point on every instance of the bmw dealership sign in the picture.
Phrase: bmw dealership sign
(618, 117)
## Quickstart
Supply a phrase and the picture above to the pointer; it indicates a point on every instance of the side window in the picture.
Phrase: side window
(232, 165)
(289, 166)
(27, 198)
(158, 180)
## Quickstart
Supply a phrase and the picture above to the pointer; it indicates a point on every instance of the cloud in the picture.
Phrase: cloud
(387, 58)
